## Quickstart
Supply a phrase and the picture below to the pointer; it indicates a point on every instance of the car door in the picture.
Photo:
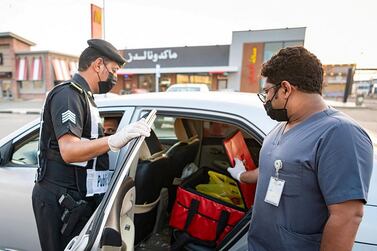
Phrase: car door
(18, 155)
(111, 226)
(17, 173)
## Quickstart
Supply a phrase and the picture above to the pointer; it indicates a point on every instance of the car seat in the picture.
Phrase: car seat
(149, 180)
(181, 154)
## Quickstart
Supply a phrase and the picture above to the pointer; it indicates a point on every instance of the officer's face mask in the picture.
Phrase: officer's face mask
(276, 114)
(106, 86)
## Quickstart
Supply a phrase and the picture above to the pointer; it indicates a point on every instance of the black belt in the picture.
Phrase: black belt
(59, 190)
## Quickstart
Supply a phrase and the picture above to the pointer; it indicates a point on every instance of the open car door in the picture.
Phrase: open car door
(111, 226)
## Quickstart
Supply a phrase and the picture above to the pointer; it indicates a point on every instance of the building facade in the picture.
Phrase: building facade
(235, 66)
(250, 49)
(155, 69)
(26, 74)
(30, 74)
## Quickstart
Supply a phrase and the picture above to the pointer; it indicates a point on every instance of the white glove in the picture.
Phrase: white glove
(237, 170)
(133, 130)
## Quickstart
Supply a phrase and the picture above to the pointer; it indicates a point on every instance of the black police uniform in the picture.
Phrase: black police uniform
(69, 108)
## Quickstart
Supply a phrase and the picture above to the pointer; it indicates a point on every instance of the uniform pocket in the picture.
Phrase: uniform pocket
(296, 241)
(291, 173)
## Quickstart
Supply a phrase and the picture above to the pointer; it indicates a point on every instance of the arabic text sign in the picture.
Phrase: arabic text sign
(152, 56)
(195, 56)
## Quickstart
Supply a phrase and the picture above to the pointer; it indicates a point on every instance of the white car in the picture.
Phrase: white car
(188, 88)
(121, 220)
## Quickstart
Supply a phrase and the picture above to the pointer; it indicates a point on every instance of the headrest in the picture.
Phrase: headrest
(180, 130)
(190, 128)
(153, 143)
(184, 129)
(150, 147)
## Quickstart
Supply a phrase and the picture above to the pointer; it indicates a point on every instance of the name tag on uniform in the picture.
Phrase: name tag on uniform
(97, 181)
(274, 191)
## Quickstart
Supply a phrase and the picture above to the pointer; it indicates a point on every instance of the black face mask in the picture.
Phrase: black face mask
(106, 86)
(276, 114)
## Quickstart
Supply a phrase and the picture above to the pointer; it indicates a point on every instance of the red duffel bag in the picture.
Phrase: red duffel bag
(201, 216)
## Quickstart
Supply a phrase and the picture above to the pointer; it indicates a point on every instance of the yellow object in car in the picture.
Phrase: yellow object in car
(223, 188)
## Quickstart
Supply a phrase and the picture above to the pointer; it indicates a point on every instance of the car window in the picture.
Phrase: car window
(25, 151)
(164, 127)
(217, 130)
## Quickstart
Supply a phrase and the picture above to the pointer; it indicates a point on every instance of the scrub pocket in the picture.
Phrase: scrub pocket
(292, 174)
(298, 242)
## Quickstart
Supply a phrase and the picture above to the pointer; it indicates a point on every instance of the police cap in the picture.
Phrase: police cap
(106, 49)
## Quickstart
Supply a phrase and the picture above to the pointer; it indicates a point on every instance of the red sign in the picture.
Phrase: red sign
(251, 65)
(96, 21)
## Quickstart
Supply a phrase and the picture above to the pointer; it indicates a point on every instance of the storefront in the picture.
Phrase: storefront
(30, 74)
(221, 67)
(167, 66)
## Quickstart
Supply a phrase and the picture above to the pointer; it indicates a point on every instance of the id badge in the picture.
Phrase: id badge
(274, 191)
(97, 181)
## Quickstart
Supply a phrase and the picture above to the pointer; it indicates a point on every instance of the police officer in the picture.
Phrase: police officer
(73, 161)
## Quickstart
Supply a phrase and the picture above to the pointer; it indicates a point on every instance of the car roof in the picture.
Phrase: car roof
(246, 105)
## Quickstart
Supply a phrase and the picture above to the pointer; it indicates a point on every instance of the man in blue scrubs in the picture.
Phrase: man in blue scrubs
(315, 166)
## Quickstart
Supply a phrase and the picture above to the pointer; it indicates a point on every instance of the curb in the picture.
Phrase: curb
(354, 107)
(20, 111)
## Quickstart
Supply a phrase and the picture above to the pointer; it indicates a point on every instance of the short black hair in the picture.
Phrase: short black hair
(296, 65)
(88, 56)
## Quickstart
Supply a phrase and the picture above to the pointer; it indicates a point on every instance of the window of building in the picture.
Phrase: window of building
(293, 43)
(147, 82)
(222, 84)
(194, 78)
(271, 49)
(31, 86)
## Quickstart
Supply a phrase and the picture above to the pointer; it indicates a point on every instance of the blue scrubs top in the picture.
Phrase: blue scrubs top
(326, 159)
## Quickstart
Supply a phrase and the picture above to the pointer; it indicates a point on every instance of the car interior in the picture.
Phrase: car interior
(176, 149)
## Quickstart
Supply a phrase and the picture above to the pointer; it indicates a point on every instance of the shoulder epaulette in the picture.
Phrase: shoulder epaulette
(76, 87)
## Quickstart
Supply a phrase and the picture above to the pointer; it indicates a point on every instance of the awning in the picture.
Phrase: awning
(36, 69)
(60, 69)
(209, 69)
(21, 68)
(73, 67)
(65, 70)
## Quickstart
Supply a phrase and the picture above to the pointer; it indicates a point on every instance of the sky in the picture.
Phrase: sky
(338, 31)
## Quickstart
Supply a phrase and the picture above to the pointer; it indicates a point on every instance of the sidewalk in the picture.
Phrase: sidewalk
(368, 103)
(21, 107)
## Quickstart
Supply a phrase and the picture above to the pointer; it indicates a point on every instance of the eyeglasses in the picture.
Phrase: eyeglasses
(263, 95)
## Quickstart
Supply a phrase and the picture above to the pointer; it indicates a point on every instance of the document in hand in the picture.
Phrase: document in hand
(235, 147)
